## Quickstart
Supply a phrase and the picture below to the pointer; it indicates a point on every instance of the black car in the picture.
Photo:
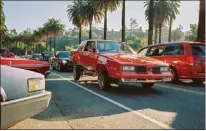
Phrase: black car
(36, 57)
(46, 56)
(62, 62)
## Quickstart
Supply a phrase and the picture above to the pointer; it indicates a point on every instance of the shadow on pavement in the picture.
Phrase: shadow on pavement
(70, 102)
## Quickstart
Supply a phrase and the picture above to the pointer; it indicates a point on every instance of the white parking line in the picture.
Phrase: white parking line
(118, 104)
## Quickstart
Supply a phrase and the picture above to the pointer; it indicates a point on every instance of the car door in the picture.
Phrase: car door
(88, 58)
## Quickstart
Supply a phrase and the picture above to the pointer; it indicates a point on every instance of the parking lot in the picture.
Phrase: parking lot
(83, 106)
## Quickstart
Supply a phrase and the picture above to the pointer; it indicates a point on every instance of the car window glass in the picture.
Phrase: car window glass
(64, 54)
(143, 52)
(2, 51)
(197, 50)
(90, 45)
(81, 46)
(174, 49)
(156, 51)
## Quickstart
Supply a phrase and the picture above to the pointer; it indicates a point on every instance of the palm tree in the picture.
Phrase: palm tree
(3, 27)
(149, 14)
(91, 12)
(172, 16)
(201, 23)
(123, 21)
(76, 15)
(53, 29)
(106, 5)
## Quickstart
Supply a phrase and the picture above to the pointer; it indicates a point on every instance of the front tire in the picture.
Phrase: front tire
(76, 72)
(175, 78)
(103, 81)
(147, 85)
(198, 81)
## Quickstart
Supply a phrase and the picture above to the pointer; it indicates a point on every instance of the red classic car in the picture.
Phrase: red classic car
(186, 59)
(6, 53)
(32, 65)
(116, 62)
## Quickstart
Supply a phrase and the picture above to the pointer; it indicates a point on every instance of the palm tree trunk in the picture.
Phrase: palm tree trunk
(160, 33)
(55, 45)
(80, 34)
(123, 21)
(156, 35)
(46, 45)
(90, 30)
(50, 45)
(170, 29)
(201, 23)
(151, 19)
(105, 23)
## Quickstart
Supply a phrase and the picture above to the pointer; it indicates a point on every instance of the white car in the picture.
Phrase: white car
(22, 95)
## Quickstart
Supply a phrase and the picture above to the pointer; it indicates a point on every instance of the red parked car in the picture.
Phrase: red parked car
(116, 62)
(32, 65)
(6, 53)
(186, 59)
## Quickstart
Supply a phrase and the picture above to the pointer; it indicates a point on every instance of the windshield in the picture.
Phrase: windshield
(37, 56)
(46, 54)
(113, 47)
(64, 55)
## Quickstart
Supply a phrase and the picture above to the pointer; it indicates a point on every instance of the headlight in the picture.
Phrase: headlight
(164, 69)
(36, 84)
(128, 68)
(64, 61)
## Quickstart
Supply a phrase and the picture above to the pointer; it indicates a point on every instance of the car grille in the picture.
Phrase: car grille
(140, 69)
(156, 70)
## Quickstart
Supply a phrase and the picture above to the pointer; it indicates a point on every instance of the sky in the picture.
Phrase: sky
(21, 15)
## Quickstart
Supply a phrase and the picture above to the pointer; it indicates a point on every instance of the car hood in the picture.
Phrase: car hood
(132, 59)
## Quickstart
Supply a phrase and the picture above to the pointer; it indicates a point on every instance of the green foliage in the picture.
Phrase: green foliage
(192, 34)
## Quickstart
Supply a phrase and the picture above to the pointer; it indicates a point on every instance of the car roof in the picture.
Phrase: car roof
(176, 42)
(99, 40)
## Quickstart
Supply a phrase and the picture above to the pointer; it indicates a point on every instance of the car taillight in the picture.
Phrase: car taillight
(190, 60)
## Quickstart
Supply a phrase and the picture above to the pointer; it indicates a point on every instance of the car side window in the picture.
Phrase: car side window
(143, 52)
(156, 51)
(90, 45)
(174, 49)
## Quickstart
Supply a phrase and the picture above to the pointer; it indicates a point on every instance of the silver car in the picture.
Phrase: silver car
(22, 95)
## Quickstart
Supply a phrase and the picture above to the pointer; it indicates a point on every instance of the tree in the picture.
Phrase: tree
(54, 28)
(177, 34)
(133, 25)
(149, 14)
(91, 13)
(106, 5)
(201, 23)
(192, 34)
(76, 15)
(3, 27)
(172, 16)
(123, 21)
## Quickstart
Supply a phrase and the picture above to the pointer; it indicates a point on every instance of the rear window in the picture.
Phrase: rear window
(197, 50)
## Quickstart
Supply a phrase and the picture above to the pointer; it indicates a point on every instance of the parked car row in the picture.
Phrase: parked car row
(118, 63)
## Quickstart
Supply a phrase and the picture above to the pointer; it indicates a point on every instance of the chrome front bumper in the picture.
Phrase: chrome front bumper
(145, 80)
(19, 109)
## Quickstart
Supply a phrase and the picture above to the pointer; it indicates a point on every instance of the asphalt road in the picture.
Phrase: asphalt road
(83, 106)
